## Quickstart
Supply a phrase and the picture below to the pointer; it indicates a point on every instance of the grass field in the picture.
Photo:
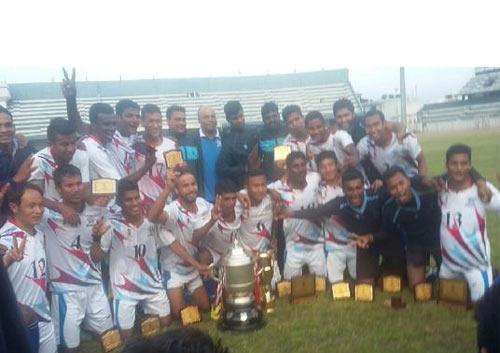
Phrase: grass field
(327, 326)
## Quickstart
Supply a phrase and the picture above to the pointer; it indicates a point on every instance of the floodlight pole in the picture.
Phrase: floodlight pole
(402, 91)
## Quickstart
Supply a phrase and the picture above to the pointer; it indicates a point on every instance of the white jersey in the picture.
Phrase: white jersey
(300, 232)
(464, 238)
(301, 146)
(336, 236)
(28, 276)
(121, 148)
(336, 142)
(256, 224)
(43, 170)
(69, 264)
(220, 237)
(153, 182)
(102, 161)
(402, 154)
(133, 259)
(181, 224)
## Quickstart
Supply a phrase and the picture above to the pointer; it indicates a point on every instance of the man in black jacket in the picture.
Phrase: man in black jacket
(270, 135)
(238, 144)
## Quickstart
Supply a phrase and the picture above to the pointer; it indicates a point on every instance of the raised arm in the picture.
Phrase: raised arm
(156, 213)
(214, 217)
(68, 87)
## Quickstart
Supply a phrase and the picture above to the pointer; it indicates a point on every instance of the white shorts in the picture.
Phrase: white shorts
(312, 256)
(192, 280)
(479, 280)
(337, 260)
(47, 338)
(124, 310)
(88, 306)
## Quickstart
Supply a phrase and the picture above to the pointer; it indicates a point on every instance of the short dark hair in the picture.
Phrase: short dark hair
(16, 192)
(458, 148)
(289, 109)
(225, 186)
(293, 156)
(99, 108)
(124, 186)
(373, 112)
(59, 126)
(65, 170)
(174, 108)
(254, 173)
(351, 174)
(5, 111)
(232, 109)
(125, 104)
(326, 155)
(313, 115)
(342, 103)
(184, 170)
(392, 171)
(180, 340)
(269, 107)
(149, 109)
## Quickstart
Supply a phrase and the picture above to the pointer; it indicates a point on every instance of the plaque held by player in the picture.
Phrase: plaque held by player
(103, 187)
(280, 154)
(173, 158)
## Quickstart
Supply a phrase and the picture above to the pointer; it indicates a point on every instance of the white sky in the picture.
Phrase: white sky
(438, 41)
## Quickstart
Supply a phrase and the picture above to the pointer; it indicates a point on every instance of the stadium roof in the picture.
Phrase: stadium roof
(125, 88)
(485, 80)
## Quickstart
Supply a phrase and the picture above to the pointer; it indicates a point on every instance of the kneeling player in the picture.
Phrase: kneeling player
(219, 238)
(464, 241)
(75, 278)
(135, 277)
(339, 252)
(304, 239)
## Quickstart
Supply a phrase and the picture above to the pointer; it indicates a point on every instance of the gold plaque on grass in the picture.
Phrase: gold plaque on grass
(363, 292)
(453, 291)
(391, 284)
(320, 284)
(302, 287)
(150, 326)
(284, 288)
(103, 186)
(173, 158)
(281, 152)
(110, 340)
(341, 290)
(190, 315)
(423, 292)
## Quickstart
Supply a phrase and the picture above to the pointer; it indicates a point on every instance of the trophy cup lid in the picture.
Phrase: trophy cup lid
(236, 256)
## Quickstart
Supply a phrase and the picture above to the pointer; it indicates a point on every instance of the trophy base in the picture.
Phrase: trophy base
(241, 319)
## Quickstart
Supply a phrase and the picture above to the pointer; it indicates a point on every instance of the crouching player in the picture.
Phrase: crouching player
(465, 247)
(132, 242)
(75, 277)
(340, 253)
(181, 218)
(25, 262)
(304, 239)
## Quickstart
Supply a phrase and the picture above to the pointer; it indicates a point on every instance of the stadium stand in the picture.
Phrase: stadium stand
(34, 104)
(477, 106)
